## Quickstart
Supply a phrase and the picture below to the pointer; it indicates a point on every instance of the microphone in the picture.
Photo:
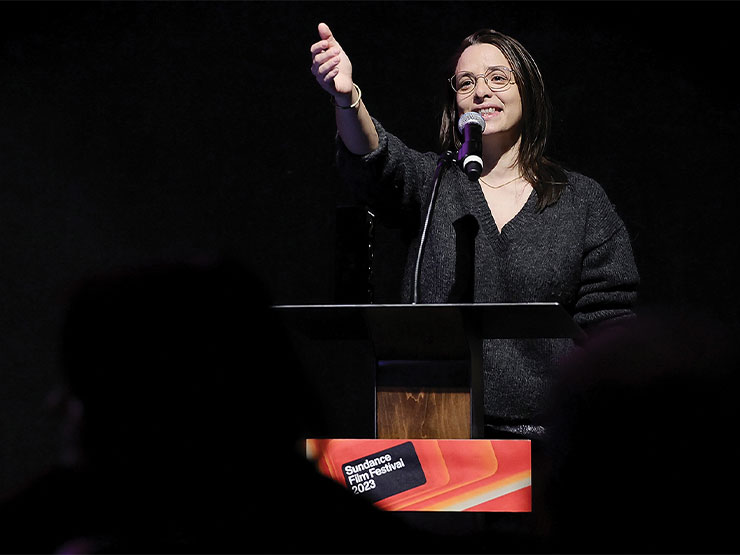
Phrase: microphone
(471, 126)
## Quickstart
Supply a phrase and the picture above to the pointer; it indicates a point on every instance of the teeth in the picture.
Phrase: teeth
(488, 111)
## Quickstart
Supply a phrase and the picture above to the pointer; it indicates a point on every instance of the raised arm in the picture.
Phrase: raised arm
(333, 71)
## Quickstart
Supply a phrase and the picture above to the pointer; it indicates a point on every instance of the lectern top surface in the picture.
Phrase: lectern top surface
(489, 320)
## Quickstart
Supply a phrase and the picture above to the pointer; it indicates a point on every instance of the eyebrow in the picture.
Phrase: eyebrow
(489, 68)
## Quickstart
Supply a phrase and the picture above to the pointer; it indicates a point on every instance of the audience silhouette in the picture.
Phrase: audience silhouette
(642, 455)
(186, 410)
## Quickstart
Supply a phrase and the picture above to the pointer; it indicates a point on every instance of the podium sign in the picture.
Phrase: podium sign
(430, 474)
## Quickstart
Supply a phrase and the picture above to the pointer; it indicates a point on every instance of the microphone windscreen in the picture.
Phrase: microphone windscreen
(471, 117)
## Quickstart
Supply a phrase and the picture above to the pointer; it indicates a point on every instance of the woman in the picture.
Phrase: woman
(525, 231)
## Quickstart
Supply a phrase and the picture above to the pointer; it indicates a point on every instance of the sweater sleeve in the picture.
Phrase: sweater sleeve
(609, 276)
(392, 174)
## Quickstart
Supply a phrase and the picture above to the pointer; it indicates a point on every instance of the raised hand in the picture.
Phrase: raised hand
(331, 66)
(333, 71)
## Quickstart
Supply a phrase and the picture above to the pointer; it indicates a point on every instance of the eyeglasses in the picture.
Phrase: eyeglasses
(497, 78)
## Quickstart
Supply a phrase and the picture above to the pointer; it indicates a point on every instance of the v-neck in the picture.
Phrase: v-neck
(511, 228)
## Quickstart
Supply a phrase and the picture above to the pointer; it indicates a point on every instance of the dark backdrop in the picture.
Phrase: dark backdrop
(132, 132)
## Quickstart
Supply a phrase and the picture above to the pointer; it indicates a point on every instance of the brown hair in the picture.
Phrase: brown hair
(546, 176)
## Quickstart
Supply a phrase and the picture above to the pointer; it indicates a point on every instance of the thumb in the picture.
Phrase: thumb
(324, 31)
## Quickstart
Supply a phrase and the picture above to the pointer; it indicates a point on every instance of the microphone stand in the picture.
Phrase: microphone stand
(444, 159)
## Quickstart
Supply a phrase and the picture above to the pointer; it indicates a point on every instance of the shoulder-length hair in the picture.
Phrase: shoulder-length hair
(547, 177)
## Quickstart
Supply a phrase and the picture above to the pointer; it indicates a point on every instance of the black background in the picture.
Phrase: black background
(133, 132)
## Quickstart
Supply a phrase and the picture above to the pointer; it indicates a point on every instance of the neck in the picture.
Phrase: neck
(500, 153)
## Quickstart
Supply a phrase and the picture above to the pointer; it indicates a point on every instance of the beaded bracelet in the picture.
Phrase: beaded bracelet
(355, 104)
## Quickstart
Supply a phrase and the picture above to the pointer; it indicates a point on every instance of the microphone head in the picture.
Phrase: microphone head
(471, 117)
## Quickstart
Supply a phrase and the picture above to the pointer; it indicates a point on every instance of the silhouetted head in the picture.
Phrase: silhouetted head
(642, 454)
(181, 367)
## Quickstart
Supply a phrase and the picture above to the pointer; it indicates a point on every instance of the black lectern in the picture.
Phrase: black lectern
(428, 374)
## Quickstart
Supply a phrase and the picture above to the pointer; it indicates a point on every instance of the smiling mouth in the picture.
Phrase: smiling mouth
(489, 111)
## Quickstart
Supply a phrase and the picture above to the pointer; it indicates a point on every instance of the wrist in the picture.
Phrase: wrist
(347, 101)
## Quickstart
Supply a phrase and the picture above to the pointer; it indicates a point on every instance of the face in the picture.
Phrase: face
(501, 110)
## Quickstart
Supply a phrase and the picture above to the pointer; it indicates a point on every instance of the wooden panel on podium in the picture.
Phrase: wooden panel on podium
(422, 413)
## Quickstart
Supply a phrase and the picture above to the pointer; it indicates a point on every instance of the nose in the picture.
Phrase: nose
(482, 89)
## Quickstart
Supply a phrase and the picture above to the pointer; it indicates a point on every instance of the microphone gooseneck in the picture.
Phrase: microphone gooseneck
(444, 159)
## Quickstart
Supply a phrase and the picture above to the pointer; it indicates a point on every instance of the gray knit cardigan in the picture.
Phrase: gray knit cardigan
(576, 252)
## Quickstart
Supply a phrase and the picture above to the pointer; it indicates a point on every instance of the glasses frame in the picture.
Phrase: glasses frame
(451, 80)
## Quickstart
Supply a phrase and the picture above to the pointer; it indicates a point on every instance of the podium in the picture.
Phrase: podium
(428, 362)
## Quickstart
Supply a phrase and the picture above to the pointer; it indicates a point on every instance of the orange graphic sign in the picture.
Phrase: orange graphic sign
(431, 474)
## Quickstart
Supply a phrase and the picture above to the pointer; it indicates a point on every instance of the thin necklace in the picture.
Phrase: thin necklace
(498, 186)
